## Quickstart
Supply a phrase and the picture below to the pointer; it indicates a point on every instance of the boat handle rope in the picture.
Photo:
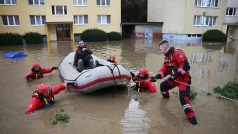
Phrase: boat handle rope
(210, 92)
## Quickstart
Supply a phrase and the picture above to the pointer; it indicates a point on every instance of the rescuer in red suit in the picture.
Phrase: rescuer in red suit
(176, 65)
(143, 82)
(44, 96)
(37, 72)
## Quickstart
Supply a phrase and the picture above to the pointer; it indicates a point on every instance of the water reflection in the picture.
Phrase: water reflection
(134, 120)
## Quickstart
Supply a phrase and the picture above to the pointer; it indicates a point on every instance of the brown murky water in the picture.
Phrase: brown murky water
(126, 112)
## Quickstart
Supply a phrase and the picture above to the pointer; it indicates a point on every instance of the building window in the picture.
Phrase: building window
(103, 19)
(59, 10)
(37, 20)
(206, 3)
(7, 2)
(103, 2)
(12, 20)
(81, 19)
(230, 11)
(80, 2)
(204, 20)
(36, 2)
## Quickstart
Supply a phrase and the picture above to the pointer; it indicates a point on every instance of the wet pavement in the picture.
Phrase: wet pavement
(128, 112)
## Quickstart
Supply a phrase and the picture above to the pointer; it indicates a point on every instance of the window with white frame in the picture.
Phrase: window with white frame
(80, 19)
(206, 3)
(103, 2)
(37, 20)
(103, 19)
(80, 2)
(59, 10)
(231, 11)
(8, 2)
(36, 2)
(200, 20)
(11, 20)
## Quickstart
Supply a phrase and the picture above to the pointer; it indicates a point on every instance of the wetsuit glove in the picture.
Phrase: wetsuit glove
(132, 74)
(172, 78)
(71, 84)
(154, 78)
(54, 68)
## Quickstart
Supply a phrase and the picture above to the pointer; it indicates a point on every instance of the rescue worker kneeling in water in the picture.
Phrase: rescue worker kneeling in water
(177, 66)
(44, 96)
(143, 82)
(37, 72)
(82, 58)
(112, 59)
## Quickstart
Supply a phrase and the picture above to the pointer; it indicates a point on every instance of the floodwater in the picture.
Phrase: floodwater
(127, 111)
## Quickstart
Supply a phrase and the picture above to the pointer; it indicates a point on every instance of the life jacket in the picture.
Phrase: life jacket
(37, 73)
(140, 81)
(46, 101)
(170, 62)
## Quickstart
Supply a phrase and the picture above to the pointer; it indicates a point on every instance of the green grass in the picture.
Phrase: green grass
(60, 116)
(229, 90)
(192, 95)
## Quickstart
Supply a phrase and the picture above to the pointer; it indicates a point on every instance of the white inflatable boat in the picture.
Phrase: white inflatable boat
(90, 80)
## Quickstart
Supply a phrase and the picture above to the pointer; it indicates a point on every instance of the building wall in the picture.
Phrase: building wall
(192, 10)
(170, 12)
(23, 10)
(178, 15)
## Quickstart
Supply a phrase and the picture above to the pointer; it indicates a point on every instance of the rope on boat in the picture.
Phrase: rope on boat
(209, 92)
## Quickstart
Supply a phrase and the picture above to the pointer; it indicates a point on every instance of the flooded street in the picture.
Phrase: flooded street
(128, 112)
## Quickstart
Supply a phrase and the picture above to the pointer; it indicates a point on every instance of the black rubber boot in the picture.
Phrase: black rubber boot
(193, 120)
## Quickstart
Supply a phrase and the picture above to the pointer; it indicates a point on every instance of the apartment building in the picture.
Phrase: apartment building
(59, 19)
(231, 19)
(187, 19)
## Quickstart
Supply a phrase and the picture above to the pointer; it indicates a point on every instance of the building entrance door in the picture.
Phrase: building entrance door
(63, 32)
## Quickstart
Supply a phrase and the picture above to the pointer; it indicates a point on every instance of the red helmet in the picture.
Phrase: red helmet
(35, 64)
(143, 71)
(113, 56)
(42, 88)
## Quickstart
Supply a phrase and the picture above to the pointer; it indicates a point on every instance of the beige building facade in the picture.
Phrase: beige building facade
(59, 19)
(187, 19)
(231, 19)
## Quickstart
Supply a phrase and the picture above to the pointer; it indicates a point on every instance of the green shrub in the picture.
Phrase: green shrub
(10, 39)
(60, 116)
(114, 36)
(33, 38)
(230, 90)
(93, 35)
(192, 95)
(214, 36)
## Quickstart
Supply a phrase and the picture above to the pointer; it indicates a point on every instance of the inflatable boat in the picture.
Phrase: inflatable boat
(104, 75)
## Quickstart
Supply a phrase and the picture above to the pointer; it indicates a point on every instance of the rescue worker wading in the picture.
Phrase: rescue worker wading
(112, 59)
(83, 59)
(37, 72)
(44, 96)
(176, 65)
(143, 82)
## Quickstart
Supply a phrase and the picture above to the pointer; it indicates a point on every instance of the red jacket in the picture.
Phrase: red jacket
(35, 75)
(177, 59)
(36, 102)
(144, 83)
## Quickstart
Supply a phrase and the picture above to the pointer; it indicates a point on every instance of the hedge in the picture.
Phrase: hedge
(10, 39)
(33, 38)
(214, 36)
(91, 35)
(114, 36)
